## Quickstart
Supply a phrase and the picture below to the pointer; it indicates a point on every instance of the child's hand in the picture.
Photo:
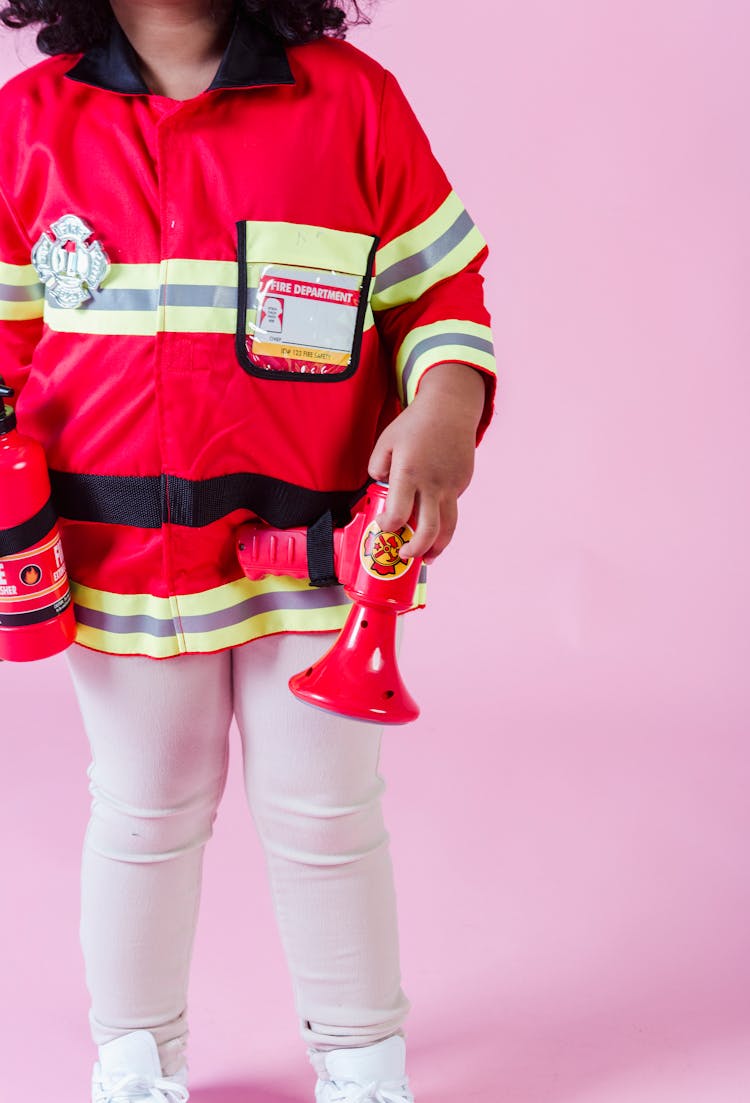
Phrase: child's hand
(426, 455)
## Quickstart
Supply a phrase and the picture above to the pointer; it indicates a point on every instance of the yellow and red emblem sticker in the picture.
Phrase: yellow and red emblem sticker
(379, 551)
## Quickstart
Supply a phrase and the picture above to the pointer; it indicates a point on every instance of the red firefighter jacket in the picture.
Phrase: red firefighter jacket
(210, 309)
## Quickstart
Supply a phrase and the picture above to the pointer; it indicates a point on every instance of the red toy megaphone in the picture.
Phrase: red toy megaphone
(358, 676)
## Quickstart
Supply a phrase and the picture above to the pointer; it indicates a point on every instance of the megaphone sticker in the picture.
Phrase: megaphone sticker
(379, 551)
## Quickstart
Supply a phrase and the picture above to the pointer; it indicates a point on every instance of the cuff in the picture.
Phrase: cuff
(453, 340)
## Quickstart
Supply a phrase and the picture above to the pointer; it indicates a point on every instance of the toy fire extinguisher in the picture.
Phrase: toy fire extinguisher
(358, 676)
(36, 613)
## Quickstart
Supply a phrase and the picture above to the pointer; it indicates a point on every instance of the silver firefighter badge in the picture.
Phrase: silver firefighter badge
(69, 267)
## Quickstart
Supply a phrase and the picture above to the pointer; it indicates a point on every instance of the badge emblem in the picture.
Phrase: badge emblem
(379, 552)
(69, 267)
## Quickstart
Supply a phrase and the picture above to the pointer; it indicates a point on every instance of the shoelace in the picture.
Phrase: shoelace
(160, 1090)
(377, 1091)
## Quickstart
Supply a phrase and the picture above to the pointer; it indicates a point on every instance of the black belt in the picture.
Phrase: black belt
(150, 501)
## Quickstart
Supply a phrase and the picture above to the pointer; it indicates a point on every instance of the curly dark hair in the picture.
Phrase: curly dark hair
(71, 26)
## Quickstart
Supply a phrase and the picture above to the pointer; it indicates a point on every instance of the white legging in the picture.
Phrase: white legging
(158, 731)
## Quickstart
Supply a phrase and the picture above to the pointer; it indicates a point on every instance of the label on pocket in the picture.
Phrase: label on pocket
(302, 303)
(306, 319)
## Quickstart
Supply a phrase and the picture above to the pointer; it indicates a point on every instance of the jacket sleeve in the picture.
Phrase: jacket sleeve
(427, 299)
(21, 301)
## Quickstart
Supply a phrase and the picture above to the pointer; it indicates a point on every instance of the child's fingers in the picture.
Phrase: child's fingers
(427, 527)
(399, 502)
(448, 522)
(380, 462)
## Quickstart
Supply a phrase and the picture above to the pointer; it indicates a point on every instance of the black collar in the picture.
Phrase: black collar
(253, 57)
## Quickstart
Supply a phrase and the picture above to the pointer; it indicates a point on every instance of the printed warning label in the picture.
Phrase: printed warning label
(33, 581)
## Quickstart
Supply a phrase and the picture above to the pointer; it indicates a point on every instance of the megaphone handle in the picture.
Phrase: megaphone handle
(264, 550)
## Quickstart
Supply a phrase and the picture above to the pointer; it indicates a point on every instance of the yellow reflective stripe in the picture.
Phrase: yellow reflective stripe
(192, 300)
(421, 236)
(308, 246)
(105, 323)
(437, 248)
(162, 627)
(164, 608)
(176, 296)
(19, 275)
(170, 633)
(191, 319)
(175, 319)
(123, 604)
(125, 283)
(21, 293)
(409, 290)
(21, 312)
(136, 643)
(447, 340)
(449, 353)
(179, 295)
(266, 624)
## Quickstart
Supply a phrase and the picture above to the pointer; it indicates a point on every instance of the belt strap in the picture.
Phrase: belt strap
(320, 559)
(150, 501)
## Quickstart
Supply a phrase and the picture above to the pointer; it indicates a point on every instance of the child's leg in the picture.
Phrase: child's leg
(314, 792)
(158, 731)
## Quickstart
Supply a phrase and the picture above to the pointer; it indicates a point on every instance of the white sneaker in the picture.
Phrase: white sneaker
(362, 1074)
(129, 1071)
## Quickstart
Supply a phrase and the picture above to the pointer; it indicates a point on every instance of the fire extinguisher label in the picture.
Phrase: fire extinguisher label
(34, 583)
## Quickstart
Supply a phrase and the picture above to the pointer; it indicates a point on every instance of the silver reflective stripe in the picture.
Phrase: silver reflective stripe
(183, 294)
(425, 258)
(149, 299)
(119, 624)
(436, 341)
(126, 299)
(10, 293)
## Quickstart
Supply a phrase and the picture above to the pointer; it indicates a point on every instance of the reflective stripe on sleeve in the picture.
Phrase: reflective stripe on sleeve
(437, 248)
(229, 615)
(449, 340)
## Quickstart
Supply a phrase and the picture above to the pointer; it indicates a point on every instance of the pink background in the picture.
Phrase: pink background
(570, 817)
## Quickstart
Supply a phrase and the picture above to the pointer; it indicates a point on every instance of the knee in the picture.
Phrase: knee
(145, 831)
(320, 832)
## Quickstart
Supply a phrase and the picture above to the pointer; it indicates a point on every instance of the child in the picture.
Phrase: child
(234, 282)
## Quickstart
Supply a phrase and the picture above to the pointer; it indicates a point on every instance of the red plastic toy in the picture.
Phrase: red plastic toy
(36, 613)
(358, 676)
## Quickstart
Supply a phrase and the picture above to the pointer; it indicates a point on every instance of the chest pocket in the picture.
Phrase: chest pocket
(302, 299)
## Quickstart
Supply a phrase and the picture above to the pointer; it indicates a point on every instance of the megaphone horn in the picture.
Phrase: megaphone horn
(358, 676)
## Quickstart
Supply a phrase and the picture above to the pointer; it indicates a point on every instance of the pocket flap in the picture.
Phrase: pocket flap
(302, 299)
(307, 246)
